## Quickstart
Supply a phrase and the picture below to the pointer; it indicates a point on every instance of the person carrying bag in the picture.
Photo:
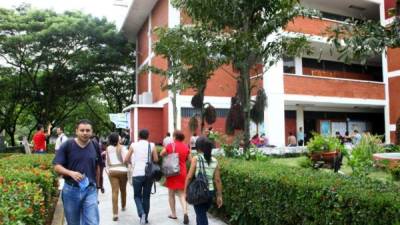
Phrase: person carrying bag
(143, 155)
(117, 171)
(176, 155)
(199, 186)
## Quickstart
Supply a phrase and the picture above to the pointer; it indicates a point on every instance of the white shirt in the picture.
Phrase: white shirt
(193, 141)
(167, 141)
(60, 139)
(112, 154)
(140, 156)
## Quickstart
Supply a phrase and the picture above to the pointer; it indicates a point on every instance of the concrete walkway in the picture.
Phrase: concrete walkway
(159, 209)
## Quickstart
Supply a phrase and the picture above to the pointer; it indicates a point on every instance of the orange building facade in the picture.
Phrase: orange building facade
(317, 93)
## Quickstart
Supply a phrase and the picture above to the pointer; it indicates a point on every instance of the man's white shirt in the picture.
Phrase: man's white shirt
(60, 139)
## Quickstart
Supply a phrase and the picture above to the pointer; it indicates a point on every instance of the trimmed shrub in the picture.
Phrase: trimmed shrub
(265, 193)
(27, 187)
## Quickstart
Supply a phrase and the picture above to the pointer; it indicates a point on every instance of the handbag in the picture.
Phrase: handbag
(197, 192)
(152, 171)
(170, 166)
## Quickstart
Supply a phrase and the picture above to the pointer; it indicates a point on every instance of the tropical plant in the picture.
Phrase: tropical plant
(323, 143)
(361, 158)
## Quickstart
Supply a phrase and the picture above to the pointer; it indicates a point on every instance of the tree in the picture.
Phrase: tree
(65, 59)
(191, 62)
(13, 100)
(361, 39)
(250, 32)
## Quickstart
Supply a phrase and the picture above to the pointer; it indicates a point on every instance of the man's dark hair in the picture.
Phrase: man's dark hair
(144, 134)
(39, 126)
(168, 134)
(61, 128)
(178, 135)
(355, 131)
(83, 121)
(113, 139)
(290, 133)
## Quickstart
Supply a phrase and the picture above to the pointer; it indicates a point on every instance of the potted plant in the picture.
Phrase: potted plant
(323, 148)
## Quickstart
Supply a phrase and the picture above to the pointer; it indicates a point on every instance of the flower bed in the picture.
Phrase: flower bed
(265, 193)
(27, 187)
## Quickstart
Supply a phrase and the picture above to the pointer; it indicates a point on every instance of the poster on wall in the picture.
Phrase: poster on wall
(325, 127)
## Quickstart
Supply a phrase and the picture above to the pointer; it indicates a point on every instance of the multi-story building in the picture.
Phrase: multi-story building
(316, 92)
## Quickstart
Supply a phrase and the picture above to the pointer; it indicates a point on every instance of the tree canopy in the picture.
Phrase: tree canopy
(250, 33)
(56, 62)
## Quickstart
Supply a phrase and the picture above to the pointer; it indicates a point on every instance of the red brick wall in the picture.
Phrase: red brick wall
(152, 120)
(309, 26)
(329, 87)
(394, 99)
(393, 59)
(131, 114)
(221, 84)
(388, 5)
(165, 119)
(143, 42)
(290, 126)
(157, 81)
(143, 82)
(336, 74)
(159, 17)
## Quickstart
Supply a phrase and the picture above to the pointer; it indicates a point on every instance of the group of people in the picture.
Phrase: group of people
(80, 161)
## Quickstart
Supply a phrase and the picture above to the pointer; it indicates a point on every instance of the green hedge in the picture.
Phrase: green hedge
(265, 193)
(27, 187)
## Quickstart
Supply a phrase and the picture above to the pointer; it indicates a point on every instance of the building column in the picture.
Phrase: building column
(274, 114)
(298, 65)
(385, 74)
(299, 118)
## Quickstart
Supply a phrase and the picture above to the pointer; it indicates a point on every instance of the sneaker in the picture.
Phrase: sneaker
(115, 217)
(143, 219)
(185, 219)
(123, 209)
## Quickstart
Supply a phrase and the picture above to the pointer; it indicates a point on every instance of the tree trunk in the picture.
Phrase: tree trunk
(174, 106)
(245, 95)
(11, 134)
(202, 118)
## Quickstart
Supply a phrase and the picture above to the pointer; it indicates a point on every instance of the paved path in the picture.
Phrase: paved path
(159, 209)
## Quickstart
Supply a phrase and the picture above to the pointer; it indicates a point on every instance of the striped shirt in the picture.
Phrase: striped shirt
(209, 169)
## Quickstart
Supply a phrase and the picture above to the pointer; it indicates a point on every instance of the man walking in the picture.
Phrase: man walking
(61, 137)
(39, 139)
(78, 161)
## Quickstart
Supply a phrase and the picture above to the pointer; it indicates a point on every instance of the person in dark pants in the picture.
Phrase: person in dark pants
(211, 167)
(141, 186)
(79, 160)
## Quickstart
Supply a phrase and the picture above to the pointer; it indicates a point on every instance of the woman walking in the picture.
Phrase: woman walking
(117, 171)
(176, 184)
(211, 167)
(142, 151)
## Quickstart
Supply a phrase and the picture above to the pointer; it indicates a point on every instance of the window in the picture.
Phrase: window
(289, 65)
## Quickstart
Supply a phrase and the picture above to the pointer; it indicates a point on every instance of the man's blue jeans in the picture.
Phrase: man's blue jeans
(80, 207)
(142, 191)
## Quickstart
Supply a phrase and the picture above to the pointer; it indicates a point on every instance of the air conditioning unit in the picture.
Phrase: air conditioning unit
(140, 99)
(147, 98)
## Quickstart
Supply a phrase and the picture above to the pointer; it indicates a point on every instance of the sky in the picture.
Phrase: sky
(113, 10)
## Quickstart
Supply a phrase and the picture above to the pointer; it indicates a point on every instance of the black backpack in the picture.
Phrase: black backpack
(197, 192)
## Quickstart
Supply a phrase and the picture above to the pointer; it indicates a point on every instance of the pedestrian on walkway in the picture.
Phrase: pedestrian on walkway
(138, 155)
(61, 138)
(204, 147)
(176, 184)
(78, 160)
(117, 171)
(39, 139)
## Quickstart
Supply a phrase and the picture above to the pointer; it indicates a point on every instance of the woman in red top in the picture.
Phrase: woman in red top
(176, 184)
